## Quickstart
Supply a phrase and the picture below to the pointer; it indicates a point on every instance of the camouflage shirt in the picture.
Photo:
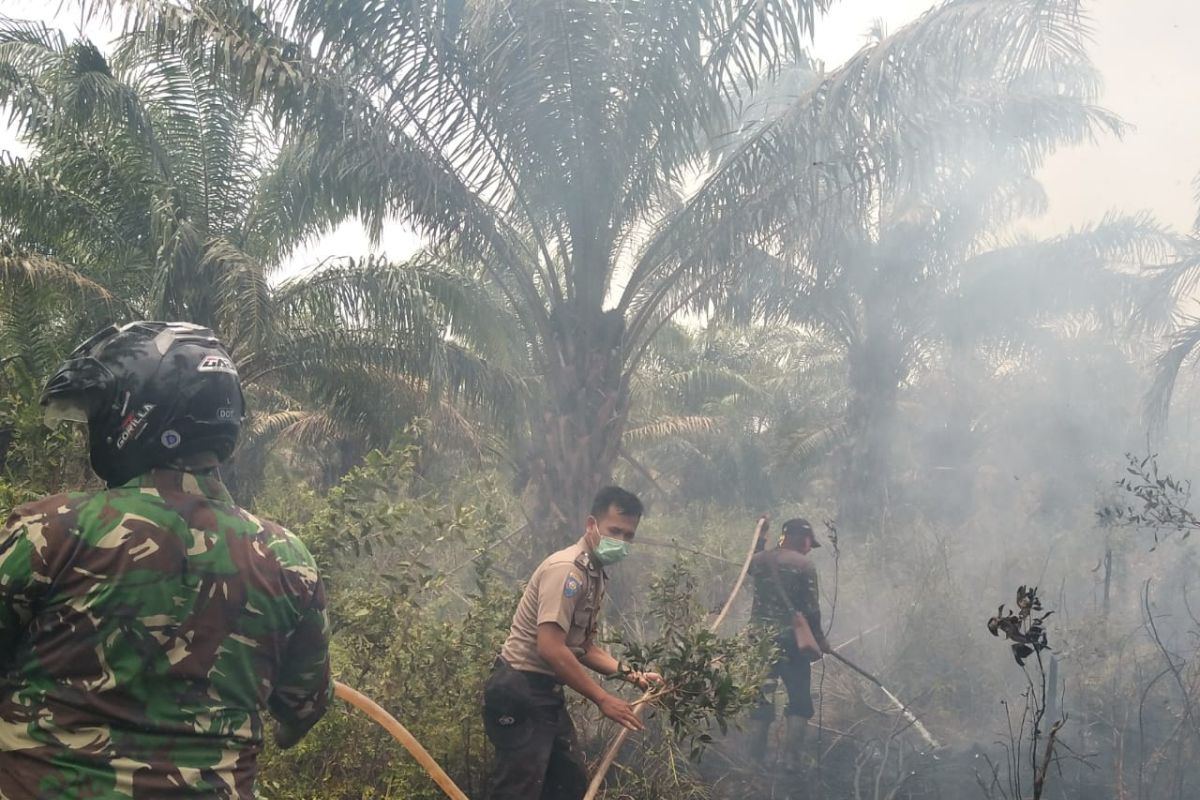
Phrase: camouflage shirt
(143, 631)
(794, 589)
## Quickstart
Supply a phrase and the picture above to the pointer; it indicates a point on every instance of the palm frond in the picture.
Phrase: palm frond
(670, 427)
(47, 82)
(421, 297)
(707, 382)
(1085, 270)
(38, 270)
(806, 446)
(246, 307)
(824, 154)
(306, 428)
(363, 161)
(268, 424)
(1182, 348)
(1172, 284)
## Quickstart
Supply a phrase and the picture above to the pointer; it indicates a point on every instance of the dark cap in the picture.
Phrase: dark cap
(798, 527)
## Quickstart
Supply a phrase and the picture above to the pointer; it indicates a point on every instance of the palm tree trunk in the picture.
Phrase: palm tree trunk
(576, 439)
(874, 382)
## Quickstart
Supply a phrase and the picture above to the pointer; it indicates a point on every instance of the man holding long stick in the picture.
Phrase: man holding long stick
(551, 641)
(786, 599)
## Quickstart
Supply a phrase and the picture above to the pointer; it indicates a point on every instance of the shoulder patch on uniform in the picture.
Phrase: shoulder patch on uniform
(572, 586)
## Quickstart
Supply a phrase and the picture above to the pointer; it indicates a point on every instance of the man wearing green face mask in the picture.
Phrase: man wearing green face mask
(551, 640)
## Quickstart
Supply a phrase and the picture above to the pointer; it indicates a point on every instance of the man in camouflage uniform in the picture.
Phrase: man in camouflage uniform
(553, 637)
(785, 585)
(144, 629)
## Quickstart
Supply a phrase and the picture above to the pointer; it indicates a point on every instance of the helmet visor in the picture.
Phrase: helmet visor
(60, 410)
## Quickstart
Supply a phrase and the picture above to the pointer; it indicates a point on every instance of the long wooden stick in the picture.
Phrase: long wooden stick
(737, 587)
(401, 734)
(614, 747)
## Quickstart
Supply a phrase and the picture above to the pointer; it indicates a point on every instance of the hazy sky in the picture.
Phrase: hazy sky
(1146, 51)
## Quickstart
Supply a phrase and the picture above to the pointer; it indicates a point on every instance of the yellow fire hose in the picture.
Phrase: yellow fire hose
(401, 734)
(410, 743)
(427, 762)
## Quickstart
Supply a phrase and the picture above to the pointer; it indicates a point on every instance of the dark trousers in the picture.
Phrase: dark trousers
(795, 670)
(537, 755)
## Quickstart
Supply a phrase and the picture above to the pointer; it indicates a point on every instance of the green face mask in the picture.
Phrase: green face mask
(610, 550)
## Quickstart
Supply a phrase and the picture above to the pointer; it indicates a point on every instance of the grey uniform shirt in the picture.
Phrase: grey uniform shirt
(567, 589)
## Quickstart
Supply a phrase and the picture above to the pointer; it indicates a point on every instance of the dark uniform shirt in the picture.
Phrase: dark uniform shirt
(143, 631)
(785, 581)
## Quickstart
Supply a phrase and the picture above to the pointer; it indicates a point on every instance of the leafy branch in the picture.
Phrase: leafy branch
(1155, 501)
(707, 679)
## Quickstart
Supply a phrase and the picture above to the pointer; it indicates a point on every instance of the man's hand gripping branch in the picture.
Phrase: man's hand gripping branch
(552, 646)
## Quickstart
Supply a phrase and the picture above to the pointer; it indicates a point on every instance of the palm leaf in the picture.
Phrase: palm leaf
(670, 427)
(37, 270)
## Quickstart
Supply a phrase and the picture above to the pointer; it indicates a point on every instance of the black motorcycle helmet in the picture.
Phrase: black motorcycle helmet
(151, 393)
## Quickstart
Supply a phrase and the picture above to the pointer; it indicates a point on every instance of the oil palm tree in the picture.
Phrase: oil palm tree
(151, 184)
(740, 416)
(927, 267)
(578, 151)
